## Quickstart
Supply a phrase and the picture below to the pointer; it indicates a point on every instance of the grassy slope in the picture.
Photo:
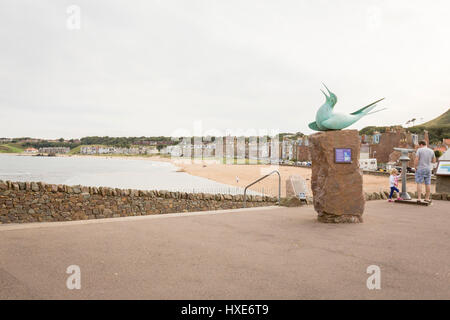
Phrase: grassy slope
(11, 148)
(438, 128)
(442, 120)
(75, 150)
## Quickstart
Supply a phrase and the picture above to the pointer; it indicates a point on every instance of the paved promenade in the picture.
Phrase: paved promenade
(259, 253)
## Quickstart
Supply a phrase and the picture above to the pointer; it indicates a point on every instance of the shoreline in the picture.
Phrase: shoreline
(240, 175)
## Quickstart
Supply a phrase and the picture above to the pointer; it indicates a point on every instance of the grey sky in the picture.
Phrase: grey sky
(152, 67)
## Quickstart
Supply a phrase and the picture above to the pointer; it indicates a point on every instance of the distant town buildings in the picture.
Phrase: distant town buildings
(382, 144)
(443, 146)
(364, 151)
(147, 142)
(31, 150)
(376, 150)
(446, 143)
(93, 150)
(302, 151)
(368, 164)
(54, 150)
(228, 148)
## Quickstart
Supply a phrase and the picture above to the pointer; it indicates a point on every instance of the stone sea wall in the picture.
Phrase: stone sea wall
(383, 195)
(409, 176)
(38, 202)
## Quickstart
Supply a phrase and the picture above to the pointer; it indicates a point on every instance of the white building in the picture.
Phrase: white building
(368, 164)
(364, 151)
(31, 150)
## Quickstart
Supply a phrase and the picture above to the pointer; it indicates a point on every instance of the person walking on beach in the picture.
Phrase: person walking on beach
(393, 182)
(424, 157)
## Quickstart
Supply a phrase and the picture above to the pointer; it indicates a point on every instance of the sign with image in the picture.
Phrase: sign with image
(443, 168)
(343, 155)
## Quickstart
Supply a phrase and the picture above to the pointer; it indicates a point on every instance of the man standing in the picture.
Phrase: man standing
(422, 163)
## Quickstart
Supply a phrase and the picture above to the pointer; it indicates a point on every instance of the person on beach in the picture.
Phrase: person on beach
(424, 157)
(393, 182)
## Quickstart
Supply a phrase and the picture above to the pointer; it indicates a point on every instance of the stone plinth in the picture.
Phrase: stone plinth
(337, 187)
(443, 184)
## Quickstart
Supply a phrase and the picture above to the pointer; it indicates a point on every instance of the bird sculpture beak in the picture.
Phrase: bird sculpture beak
(329, 92)
(325, 94)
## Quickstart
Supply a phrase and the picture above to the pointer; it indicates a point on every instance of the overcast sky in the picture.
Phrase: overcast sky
(145, 68)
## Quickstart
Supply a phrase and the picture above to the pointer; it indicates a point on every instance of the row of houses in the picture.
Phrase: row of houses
(48, 150)
(54, 150)
(374, 149)
(95, 150)
(241, 148)
(380, 146)
(146, 142)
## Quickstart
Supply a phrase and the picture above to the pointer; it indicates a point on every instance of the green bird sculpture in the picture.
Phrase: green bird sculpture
(327, 119)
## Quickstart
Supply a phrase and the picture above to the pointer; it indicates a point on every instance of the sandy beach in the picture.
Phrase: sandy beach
(240, 175)
(246, 174)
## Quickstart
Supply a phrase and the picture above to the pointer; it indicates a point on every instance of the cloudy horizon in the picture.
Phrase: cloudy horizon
(152, 68)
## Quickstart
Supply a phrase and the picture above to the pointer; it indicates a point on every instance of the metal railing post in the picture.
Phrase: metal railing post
(263, 177)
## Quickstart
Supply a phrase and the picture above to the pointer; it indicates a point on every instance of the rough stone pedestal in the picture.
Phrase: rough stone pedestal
(337, 187)
(443, 184)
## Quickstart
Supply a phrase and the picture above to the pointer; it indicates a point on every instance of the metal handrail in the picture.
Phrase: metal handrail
(263, 177)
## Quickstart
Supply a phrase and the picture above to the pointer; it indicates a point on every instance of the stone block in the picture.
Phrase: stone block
(85, 195)
(76, 189)
(34, 187)
(443, 184)
(436, 196)
(291, 201)
(337, 187)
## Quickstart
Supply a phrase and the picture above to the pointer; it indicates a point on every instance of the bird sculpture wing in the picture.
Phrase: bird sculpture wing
(339, 121)
(364, 110)
(313, 126)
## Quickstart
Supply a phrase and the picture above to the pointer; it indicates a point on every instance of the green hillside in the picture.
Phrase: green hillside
(11, 148)
(75, 150)
(442, 120)
(438, 128)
